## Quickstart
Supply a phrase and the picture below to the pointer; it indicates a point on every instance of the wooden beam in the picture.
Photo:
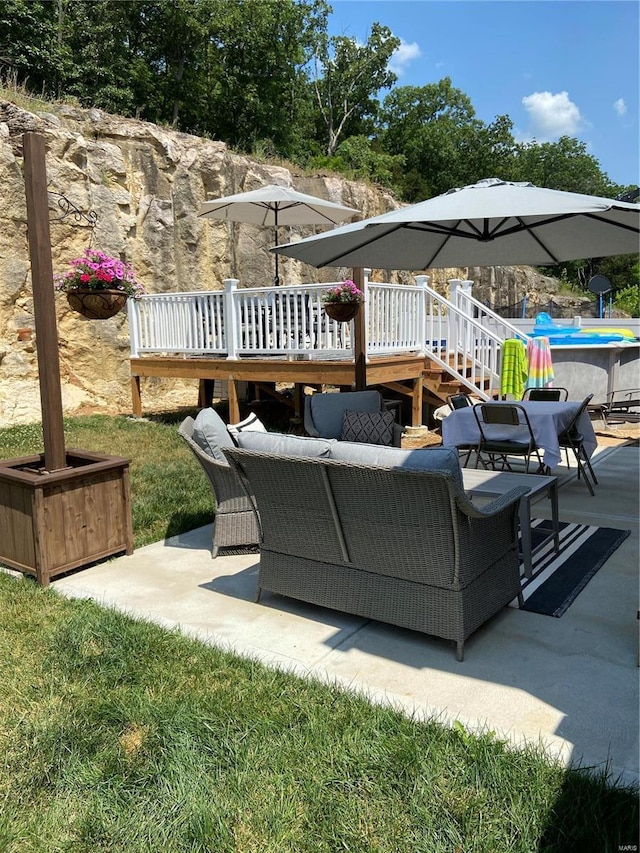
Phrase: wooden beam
(44, 310)
(399, 388)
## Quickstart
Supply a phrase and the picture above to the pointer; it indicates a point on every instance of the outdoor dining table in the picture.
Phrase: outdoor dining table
(548, 419)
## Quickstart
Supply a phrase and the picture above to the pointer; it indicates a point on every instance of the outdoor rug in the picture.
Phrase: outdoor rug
(558, 578)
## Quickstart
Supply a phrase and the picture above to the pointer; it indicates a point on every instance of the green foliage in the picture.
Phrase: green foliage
(562, 165)
(359, 158)
(443, 145)
(628, 300)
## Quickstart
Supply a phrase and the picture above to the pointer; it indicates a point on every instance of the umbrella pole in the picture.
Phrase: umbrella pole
(276, 279)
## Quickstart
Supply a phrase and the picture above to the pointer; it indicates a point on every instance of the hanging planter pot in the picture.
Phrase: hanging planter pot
(97, 304)
(98, 286)
(343, 312)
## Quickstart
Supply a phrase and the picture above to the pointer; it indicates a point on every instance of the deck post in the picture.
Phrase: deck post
(230, 327)
(416, 402)
(422, 282)
(136, 398)
(360, 333)
(234, 405)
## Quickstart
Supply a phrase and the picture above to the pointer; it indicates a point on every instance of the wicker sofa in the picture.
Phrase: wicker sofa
(368, 531)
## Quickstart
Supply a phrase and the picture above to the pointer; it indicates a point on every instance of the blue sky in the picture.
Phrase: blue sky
(556, 67)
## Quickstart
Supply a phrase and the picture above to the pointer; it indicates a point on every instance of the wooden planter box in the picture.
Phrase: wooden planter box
(54, 522)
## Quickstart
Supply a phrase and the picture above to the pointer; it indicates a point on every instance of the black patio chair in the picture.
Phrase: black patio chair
(572, 439)
(462, 401)
(509, 416)
(554, 394)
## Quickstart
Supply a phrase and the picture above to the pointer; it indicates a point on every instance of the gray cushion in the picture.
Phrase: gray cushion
(327, 410)
(370, 427)
(422, 459)
(210, 434)
(284, 445)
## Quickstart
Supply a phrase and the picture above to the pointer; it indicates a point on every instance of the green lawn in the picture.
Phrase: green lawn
(116, 735)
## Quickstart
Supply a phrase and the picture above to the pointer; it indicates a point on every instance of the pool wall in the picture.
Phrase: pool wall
(594, 368)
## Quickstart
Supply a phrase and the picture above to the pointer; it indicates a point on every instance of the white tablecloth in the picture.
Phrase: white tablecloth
(548, 420)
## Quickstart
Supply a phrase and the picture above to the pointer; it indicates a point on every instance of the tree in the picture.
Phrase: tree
(348, 78)
(434, 127)
(562, 165)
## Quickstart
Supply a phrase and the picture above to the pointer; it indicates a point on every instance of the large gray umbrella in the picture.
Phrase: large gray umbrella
(490, 223)
(276, 206)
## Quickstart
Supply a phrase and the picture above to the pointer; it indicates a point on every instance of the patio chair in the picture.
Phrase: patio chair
(622, 406)
(572, 439)
(462, 401)
(324, 413)
(234, 523)
(509, 417)
(458, 401)
(553, 394)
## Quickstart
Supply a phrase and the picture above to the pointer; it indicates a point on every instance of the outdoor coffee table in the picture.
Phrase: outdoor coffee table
(483, 483)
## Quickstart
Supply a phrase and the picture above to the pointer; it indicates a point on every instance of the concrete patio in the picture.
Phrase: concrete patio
(569, 683)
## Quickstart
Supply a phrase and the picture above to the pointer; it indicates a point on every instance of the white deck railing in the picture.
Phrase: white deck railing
(290, 321)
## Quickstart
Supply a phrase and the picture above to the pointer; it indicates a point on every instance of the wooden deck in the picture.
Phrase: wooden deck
(403, 374)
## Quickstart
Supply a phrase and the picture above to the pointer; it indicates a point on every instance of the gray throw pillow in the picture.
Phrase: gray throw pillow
(210, 434)
(369, 427)
(279, 444)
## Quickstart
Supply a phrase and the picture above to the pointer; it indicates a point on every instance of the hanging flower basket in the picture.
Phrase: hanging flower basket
(343, 312)
(97, 304)
(342, 302)
(98, 286)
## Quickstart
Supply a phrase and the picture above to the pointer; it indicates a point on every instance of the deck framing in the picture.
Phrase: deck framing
(389, 371)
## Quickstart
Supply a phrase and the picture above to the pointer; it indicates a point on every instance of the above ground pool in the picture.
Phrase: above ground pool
(545, 327)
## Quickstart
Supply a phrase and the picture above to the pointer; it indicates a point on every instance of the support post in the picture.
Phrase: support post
(35, 174)
(230, 326)
(416, 402)
(234, 404)
(136, 397)
(360, 333)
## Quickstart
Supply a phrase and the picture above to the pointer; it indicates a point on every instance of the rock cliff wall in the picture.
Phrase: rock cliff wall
(146, 185)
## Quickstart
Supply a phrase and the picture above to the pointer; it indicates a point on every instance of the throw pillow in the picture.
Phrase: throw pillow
(370, 427)
(210, 434)
(252, 423)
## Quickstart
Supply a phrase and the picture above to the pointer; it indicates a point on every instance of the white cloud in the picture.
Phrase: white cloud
(553, 116)
(404, 55)
(620, 107)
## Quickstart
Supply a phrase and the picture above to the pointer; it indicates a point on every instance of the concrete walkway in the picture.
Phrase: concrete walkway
(569, 683)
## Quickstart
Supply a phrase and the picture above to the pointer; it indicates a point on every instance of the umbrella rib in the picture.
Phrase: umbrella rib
(362, 245)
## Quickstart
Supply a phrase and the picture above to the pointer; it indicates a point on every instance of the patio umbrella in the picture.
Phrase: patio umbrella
(490, 223)
(276, 206)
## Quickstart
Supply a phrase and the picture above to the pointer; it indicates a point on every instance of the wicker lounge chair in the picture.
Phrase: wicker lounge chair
(402, 546)
(234, 524)
(323, 413)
